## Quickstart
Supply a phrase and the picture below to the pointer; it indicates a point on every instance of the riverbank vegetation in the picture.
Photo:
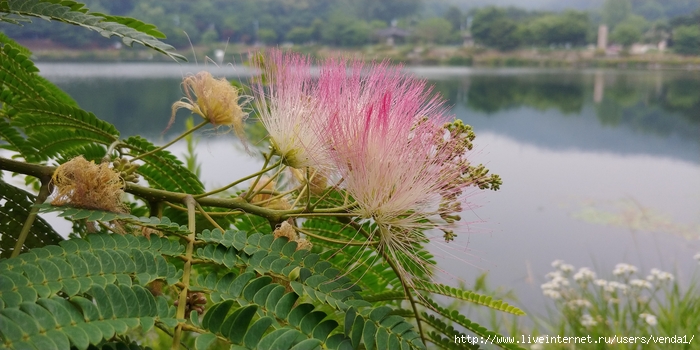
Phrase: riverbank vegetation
(639, 33)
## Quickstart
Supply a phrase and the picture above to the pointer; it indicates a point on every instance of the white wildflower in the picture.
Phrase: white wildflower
(566, 268)
(660, 276)
(584, 274)
(556, 263)
(588, 321)
(579, 303)
(551, 293)
(614, 285)
(697, 257)
(600, 283)
(649, 319)
(553, 275)
(624, 269)
(641, 284)
(549, 286)
(557, 280)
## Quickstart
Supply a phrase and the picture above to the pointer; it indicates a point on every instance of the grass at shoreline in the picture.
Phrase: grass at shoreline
(406, 54)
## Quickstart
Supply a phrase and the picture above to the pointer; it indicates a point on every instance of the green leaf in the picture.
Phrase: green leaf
(466, 323)
(38, 116)
(308, 344)
(107, 26)
(163, 170)
(203, 341)
(13, 214)
(470, 296)
(256, 331)
(215, 316)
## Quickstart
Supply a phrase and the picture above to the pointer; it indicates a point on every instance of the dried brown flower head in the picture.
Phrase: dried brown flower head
(83, 184)
(286, 230)
(215, 100)
(195, 301)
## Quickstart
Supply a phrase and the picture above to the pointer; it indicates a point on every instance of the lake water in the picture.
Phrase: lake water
(599, 166)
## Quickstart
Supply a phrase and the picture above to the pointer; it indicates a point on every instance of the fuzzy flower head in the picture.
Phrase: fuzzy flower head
(289, 108)
(87, 185)
(397, 158)
(215, 100)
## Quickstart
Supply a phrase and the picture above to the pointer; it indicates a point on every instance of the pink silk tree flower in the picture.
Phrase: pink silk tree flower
(396, 155)
(289, 108)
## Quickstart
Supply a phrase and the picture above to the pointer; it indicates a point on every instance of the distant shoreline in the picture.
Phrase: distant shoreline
(410, 55)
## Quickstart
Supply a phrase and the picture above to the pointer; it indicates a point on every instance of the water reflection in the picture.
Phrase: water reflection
(600, 167)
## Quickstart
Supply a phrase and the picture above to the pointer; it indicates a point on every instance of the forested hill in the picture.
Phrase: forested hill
(348, 22)
(650, 9)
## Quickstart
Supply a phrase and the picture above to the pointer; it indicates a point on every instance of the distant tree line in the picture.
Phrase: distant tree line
(509, 28)
(355, 22)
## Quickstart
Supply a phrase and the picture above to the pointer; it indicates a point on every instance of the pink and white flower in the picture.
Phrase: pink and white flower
(289, 107)
(398, 160)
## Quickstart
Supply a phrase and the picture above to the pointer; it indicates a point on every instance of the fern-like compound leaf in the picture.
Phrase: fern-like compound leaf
(474, 327)
(17, 73)
(315, 279)
(100, 314)
(470, 296)
(36, 117)
(159, 224)
(74, 13)
(163, 170)
(77, 265)
(14, 140)
(450, 332)
(16, 204)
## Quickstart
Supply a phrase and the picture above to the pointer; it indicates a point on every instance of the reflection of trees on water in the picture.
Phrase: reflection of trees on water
(661, 103)
(135, 106)
(542, 91)
(663, 106)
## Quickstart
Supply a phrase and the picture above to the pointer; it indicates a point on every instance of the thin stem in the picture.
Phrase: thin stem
(152, 194)
(192, 328)
(168, 332)
(253, 192)
(198, 126)
(106, 227)
(319, 214)
(180, 314)
(277, 195)
(406, 290)
(259, 175)
(111, 148)
(41, 198)
(238, 181)
(337, 241)
(301, 193)
(308, 187)
(211, 221)
(210, 213)
(325, 194)
(394, 268)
